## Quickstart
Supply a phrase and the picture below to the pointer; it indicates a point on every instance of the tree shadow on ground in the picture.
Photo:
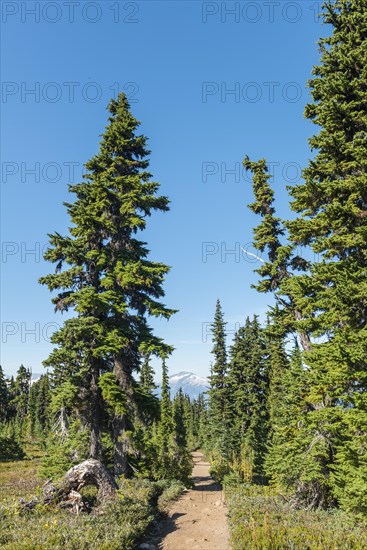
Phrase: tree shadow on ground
(160, 529)
(206, 483)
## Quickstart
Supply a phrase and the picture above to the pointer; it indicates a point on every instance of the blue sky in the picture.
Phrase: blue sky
(211, 82)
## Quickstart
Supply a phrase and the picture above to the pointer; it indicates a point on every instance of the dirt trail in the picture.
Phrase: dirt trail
(198, 520)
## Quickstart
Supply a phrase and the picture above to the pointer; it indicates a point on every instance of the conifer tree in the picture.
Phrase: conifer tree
(248, 390)
(147, 377)
(239, 390)
(166, 420)
(31, 412)
(4, 396)
(19, 392)
(146, 390)
(170, 457)
(325, 303)
(218, 393)
(180, 419)
(11, 408)
(288, 409)
(104, 275)
(203, 423)
(190, 420)
(200, 409)
(278, 368)
(331, 205)
(42, 404)
(283, 260)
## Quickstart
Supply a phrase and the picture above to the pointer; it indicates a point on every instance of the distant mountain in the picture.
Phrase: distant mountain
(190, 383)
(35, 376)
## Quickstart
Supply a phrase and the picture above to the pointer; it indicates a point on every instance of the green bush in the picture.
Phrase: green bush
(10, 449)
(116, 526)
(219, 466)
(172, 490)
(168, 460)
(262, 520)
(63, 453)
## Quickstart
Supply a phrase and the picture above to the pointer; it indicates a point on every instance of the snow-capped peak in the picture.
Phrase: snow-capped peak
(188, 378)
(189, 382)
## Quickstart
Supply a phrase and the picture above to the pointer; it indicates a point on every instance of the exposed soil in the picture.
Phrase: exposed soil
(198, 520)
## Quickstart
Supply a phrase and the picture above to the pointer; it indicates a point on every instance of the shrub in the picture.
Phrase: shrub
(10, 449)
(219, 466)
(62, 454)
(262, 520)
(118, 525)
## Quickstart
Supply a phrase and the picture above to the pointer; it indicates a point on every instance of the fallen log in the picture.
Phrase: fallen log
(66, 493)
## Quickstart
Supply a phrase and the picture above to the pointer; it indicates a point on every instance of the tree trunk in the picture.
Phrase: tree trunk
(121, 447)
(121, 424)
(95, 449)
(303, 336)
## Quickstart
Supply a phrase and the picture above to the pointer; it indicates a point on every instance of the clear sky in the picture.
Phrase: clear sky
(211, 82)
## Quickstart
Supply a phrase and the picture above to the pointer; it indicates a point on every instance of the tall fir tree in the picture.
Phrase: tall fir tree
(288, 411)
(146, 390)
(179, 415)
(42, 405)
(218, 392)
(4, 396)
(278, 367)
(104, 275)
(147, 377)
(171, 458)
(19, 392)
(283, 260)
(325, 303)
(31, 409)
(248, 391)
(331, 205)
(166, 419)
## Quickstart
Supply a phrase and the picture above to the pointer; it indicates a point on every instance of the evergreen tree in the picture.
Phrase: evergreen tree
(146, 393)
(190, 421)
(147, 377)
(278, 368)
(248, 390)
(180, 413)
(203, 422)
(19, 392)
(218, 393)
(240, 387)
(325, 303)
(42, 403)
(4, 396)
(170, 458)
(166, 420)
(283, 260)
(288, 415)
(331, 205)
(31, 412)
(104, 275)
(11, 406)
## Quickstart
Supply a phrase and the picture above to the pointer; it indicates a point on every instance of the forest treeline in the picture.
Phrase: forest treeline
(31, 415)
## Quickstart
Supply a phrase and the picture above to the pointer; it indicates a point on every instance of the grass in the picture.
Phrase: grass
(170, 493)
(118, 525)
(18, 479)
(260, 520)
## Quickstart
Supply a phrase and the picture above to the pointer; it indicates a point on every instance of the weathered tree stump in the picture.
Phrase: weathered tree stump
(66, 494)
